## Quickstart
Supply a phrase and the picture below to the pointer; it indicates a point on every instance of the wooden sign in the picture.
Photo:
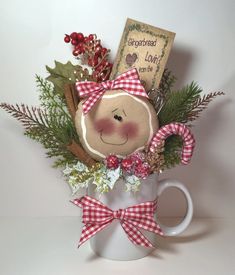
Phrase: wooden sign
(145, 48)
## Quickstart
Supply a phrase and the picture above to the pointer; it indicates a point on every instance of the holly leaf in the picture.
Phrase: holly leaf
(66, 74)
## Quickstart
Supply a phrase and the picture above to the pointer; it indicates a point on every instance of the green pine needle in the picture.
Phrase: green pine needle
(179, 104)
(51, 125)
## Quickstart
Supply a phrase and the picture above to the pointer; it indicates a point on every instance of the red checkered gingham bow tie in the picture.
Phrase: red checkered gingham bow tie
(96, 216)
(93, 91)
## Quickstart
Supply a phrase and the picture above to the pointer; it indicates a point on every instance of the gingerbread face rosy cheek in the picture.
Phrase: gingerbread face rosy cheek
(116, 133)
(130, 130)
(105, 126)
(119, 124)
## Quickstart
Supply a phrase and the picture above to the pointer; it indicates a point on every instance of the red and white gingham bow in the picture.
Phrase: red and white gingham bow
(93, 91)
(96, 216)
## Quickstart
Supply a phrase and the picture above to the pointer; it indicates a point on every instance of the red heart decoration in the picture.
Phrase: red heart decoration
(131, 58)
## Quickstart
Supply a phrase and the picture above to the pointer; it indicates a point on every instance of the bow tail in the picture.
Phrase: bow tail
(147, 224)
(135, 236)
(89, 230)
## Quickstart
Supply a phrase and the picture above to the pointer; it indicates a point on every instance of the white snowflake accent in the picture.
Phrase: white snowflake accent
(132, 183)
(112, 176)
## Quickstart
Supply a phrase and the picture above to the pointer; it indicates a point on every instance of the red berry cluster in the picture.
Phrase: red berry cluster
(134, 164)
(91, 52)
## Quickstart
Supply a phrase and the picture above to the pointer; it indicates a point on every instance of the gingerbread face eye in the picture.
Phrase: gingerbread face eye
(118, 118)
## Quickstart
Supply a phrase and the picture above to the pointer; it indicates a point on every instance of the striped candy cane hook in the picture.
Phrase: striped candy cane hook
(175, 129)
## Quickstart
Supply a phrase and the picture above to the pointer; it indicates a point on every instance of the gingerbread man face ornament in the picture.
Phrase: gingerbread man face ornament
(115, 117)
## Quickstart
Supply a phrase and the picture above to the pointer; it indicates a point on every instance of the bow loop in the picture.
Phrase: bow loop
(87, 88)
(96, 216)
(93, 91)
(143, 209)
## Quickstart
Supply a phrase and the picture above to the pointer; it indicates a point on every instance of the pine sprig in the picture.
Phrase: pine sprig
(57, 111)
(50, 100)
(172, 151)
(51, 124)
(41, 128)
(201, 104)
(179, 104)
(29, 117)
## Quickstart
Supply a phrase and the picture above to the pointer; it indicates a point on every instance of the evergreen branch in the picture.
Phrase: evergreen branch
(34, 117)
(172, 151)
(53, 130)
(50, 100)
(201, 104)
(179, 104)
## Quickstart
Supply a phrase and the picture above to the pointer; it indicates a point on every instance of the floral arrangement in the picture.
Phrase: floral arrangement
(52, 124)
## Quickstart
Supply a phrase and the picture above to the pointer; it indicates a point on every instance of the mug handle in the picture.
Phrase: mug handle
(175, 230)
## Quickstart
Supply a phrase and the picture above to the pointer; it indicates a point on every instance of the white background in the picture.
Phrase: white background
(31, 34)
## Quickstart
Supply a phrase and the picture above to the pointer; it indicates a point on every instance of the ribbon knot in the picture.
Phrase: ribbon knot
(108, 85)
(93, 91)
(96, 216)
(119, 214)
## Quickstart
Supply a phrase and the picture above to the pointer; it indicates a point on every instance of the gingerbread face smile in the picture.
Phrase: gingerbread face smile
(118, 124)
(116, 130)
(110, 143)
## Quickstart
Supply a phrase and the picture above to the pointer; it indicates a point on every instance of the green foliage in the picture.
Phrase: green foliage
(52, 126)
(172, 152)
(66, 74)
(179, 104)
(177, 108)
(201, 104)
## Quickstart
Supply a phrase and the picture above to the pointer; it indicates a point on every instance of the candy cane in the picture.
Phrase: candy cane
(176, 129)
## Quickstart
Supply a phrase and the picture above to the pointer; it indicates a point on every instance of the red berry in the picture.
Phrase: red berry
(99, 69)
(127, 164)
(79, 46)
(95, 74)
(91, 37)
(98, 49)
(104, 63)
(110, 65)
(90, 62)
(67, 38)
(103, 51)
(142, 170)
(78, 49)
(76, 52)
(80, 37)
(73, 35)
(112, 162)
(86, 39)
(74, 42)
(95, 60)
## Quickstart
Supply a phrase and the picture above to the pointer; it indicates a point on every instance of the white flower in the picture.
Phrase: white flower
(67, 171)
(112, 176)
(80, 167)
(132, 183)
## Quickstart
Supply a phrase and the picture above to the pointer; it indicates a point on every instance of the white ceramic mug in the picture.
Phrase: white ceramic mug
(112, 242)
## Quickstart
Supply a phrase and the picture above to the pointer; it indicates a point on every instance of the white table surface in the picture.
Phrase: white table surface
(48, 246)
